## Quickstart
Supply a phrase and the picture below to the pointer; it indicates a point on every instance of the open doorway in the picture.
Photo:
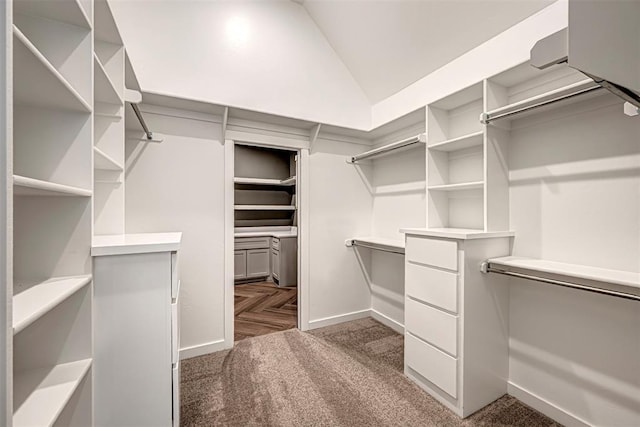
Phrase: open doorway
(265, 240)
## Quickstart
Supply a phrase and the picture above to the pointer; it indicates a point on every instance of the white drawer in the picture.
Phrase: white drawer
(436, 252)
(175, 386)
(437, 287)
(174, 276)
(252, 243)
(175, 331)
(275, 243)
(432, 325)
(436, 366)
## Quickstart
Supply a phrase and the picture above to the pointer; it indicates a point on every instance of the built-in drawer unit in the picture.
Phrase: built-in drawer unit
(252, 243)
(434, 252)
(436, 287)
(434, 365)
(432, 325)
(275, 243)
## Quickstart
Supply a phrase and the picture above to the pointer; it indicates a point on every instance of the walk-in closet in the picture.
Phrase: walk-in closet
(309, 212)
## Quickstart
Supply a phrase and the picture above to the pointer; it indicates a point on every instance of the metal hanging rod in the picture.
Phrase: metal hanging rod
(421, 138)
(487, 118)
(383, 248)
(487, 268)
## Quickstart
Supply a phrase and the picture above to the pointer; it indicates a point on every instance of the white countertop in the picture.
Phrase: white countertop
(279, 233)
(122, 244)
(457, 233)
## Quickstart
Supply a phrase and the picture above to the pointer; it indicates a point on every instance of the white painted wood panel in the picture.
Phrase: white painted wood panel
(434, 252)
(432, 325)
(437, 287)
(436, 366)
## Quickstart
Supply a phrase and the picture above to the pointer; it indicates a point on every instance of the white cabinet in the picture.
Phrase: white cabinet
(251, 258)
(284, 261)
(275, 263)
(456, 319)
(137, 336)
(239, 265)
(257, 263)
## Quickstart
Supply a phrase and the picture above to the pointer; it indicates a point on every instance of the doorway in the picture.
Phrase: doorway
(265, 240)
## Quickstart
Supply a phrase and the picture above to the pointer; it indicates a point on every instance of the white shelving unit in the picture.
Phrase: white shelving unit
(264, 208)
(265, 181)
(51, 286)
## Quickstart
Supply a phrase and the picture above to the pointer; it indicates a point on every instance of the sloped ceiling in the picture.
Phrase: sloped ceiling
(389, 44)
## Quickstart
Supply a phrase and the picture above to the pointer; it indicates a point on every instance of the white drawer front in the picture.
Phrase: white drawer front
(431, 363)
(176, 394)
(432, 325)
(174, 275)
(436, 252)
(437, 287)
(275, 243)
(252, 243)
(175, 331)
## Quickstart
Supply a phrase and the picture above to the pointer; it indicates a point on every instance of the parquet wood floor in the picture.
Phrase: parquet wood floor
(262, 308)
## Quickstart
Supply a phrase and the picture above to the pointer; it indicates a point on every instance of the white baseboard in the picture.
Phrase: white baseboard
(549, 409)
(340, 318)
(387, 321)
(200, 349)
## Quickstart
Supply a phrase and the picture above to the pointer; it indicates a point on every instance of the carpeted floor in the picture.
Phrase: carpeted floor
(343, 375)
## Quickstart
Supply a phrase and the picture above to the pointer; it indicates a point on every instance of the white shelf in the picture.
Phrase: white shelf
(46, 391)
(23, 186)
(264, 208)
(264, 181)
(616, 277)
(544, 98)
(102, 161)
(466, 141)
(104, 89)
(38, 83)
(69, 11)
(381, 243)
(457, 233)
(476, 185)
(121, 244)
(32, 301)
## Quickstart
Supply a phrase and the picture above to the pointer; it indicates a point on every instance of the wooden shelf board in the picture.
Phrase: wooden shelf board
(538, 99)
(264, 181)
(68, 11)
(103, 161)
(104, 89)
(38, 83)
(23, 186)
(32, 301)
(616, 277)
(45, 392)
(264, 208)
(476, 185)
(465, 141)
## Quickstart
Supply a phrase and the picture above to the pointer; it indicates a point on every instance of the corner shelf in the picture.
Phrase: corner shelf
(104, 162)
(476, 185)
(466, 141)
(68, 11)
(37, 299)
(52, 90)
(23, 186)
(45, 392)
(104, 89)
(264, 208)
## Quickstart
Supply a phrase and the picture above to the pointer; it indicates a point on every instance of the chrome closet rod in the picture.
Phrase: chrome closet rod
(388, 148)
(488, 269)
(147, 132)
(488, 117)
(378, 248)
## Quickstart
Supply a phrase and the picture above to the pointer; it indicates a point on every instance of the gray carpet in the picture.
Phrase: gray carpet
(343, 375)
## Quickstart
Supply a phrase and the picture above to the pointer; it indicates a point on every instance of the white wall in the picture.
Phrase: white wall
(178, 185)
(262, 56)
(340, 208)
(575, 197)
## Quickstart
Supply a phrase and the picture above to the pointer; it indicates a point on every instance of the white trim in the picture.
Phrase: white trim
(387, 321)
(339, 318)
(201, 349)
(229, 241)
(267, 140)
(304, 277)
(549, 409)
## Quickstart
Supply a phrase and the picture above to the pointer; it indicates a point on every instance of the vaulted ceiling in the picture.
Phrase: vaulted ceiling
(389, 44)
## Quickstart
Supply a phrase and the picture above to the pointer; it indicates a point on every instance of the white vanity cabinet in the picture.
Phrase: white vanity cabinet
(251, 257)
(456, 319)
(136, 367)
